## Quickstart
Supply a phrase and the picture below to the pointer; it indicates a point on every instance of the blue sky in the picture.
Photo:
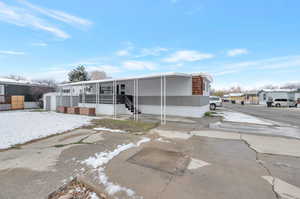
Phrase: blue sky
(247, 43)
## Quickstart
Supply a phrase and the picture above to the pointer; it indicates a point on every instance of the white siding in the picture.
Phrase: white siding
(31, 105)
(184, 111)
(106, 109)
(175, 86)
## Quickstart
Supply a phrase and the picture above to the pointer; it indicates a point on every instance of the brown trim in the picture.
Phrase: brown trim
(197, 84)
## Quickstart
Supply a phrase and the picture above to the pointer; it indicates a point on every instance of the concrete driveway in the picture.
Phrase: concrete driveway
(179, 160)
(288, 116)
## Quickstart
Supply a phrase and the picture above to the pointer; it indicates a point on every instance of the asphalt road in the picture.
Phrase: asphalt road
(288, 116)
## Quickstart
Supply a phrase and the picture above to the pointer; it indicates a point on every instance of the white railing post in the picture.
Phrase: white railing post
(161, 99)
(165, 99)
(137, 98)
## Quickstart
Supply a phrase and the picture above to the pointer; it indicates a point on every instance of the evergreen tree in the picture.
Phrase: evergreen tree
(78, 74)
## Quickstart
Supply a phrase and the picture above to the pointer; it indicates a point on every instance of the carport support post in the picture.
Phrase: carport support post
(71, 96)
(113, 98)
(97, 92)
(116, 100)
(134, 115)
(137, 98)
(161, 100)
(165, 99)
(83, 94)
(60, 100)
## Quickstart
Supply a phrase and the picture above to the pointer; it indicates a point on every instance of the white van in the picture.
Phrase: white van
(283, 102)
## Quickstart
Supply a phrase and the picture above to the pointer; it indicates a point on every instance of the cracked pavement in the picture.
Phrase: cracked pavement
(237, 165)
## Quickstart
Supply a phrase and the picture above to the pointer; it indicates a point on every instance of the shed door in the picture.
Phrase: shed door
(48, 103)
(17, 102)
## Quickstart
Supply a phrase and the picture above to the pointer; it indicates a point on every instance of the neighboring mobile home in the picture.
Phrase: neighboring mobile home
(265, 94)
(251, 97)
(176, 94)
(236, 97)
(20, 94)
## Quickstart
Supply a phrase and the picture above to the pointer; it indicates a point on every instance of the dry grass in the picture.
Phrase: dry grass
(126, 125)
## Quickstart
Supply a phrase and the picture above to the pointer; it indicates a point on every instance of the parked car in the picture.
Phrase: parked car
(283, 102)
(214, 102)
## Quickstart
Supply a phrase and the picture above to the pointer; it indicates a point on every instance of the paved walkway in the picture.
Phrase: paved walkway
(220, 164)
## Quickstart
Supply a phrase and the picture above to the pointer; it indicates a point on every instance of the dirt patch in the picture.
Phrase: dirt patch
(168, 161)
(126, 125)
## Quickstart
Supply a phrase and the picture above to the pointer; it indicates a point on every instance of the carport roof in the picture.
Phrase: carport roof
(169, 74)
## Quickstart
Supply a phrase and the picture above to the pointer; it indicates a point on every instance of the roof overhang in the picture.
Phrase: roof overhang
(170, 74)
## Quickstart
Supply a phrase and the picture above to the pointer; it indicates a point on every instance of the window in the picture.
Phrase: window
(2, 91)
(280, 100)
(214, 98)
(106, 89)
(2, 99)
(66, 91)
(122, 89)
(265, 96)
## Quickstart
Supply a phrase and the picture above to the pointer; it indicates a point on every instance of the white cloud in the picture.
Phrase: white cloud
(43, 44)
(237, 51)
(58, 15)
(139, 65)
(24, 18)
(127, 50)
(61, 73)
(9, 52)
(226, 72)
(123, 53)
(34, 17)
(271, 63)
(284, 62)
(152, 51)
(187, 56)
(106, 68)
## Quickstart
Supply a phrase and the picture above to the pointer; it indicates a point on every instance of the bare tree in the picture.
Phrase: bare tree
(98, 75)
(16, 77)
(235, 89)
(270, 86)
(37, 93)
(292, 85)
(47, 82)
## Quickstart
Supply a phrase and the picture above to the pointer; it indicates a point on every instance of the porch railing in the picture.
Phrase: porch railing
(103, 99)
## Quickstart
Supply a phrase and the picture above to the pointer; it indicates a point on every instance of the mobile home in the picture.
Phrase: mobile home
(265, 94)
(176, 94)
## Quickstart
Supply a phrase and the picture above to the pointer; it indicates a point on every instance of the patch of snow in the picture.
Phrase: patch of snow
(282, 188)
(23, 126)
(101, 159)
(196, 163)
(110, 130)
(112, 188)
(93, 196)
(242, 118)
(162, 140)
